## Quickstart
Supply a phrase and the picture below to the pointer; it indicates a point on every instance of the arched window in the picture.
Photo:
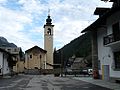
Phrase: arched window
(40, 56)
(49, 31)
(31, 56)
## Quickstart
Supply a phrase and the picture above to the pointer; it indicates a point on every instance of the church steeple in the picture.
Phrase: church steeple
(48, 42)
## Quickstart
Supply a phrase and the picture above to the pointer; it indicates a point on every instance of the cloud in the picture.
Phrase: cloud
(12, 26)
(23, 25)
(71, 17)
(2, 1)
(68, 31)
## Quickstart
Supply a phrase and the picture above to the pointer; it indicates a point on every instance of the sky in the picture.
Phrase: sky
(22, 21)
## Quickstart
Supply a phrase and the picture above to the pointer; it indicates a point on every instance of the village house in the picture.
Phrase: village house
(79, 63)
(105, 33)
(6, 63)
(16, 52)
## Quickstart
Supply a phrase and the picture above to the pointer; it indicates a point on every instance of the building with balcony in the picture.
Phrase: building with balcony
(6, 63)
(16, 52)
(105, 32)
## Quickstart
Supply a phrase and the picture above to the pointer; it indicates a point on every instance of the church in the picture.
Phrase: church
(38, 58)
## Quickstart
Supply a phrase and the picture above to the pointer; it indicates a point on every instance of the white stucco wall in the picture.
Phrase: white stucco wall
(1, 61)
(6, 68)
(105, 54)
(111, 20)
(4, 65)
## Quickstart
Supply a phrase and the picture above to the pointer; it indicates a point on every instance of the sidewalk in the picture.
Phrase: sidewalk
(99, 82)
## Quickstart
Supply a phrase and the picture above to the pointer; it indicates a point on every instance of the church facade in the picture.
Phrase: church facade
(38, 58)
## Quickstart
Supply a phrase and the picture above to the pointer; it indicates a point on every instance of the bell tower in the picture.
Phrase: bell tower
(48, 42)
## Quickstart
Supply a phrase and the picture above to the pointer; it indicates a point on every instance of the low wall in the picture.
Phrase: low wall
(42, 71)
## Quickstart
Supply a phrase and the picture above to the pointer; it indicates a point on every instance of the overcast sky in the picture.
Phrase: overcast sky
(22, 21)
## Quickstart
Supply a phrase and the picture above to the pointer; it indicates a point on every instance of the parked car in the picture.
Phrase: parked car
(90, 71)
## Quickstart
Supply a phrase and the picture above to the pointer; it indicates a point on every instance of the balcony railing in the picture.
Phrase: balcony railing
(111, 38)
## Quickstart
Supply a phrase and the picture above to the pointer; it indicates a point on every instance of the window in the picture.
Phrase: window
(49, 31)
(15, 50)
(40, 56)
(31, 56)
(116, 31)
(117, 60)
(9, 50)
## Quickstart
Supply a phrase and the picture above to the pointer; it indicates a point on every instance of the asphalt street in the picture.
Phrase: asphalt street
(45, 82)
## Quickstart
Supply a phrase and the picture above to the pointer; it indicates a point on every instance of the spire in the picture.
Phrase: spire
(48, 20)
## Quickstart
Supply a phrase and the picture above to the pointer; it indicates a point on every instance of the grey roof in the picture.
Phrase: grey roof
(78, 60)
(2, 50)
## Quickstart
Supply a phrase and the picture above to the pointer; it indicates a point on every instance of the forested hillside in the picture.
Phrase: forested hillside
(80, 47)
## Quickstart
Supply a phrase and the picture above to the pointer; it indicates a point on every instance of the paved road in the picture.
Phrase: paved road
(47, 82)
(18, 82)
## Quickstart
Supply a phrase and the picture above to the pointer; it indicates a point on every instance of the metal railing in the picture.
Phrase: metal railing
(110, 39)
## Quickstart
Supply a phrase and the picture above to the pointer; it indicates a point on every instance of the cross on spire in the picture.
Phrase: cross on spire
(49, 20)
(48, 12)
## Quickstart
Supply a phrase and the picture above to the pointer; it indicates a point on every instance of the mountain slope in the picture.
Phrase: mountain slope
(80, 47)
(5, 43)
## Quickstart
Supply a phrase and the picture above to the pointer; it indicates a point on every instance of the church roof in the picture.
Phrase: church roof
(42, 50)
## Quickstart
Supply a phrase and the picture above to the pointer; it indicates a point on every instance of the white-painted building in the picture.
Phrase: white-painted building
(109, 45)
(4, 62)
(105, 33)
(18, 67)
